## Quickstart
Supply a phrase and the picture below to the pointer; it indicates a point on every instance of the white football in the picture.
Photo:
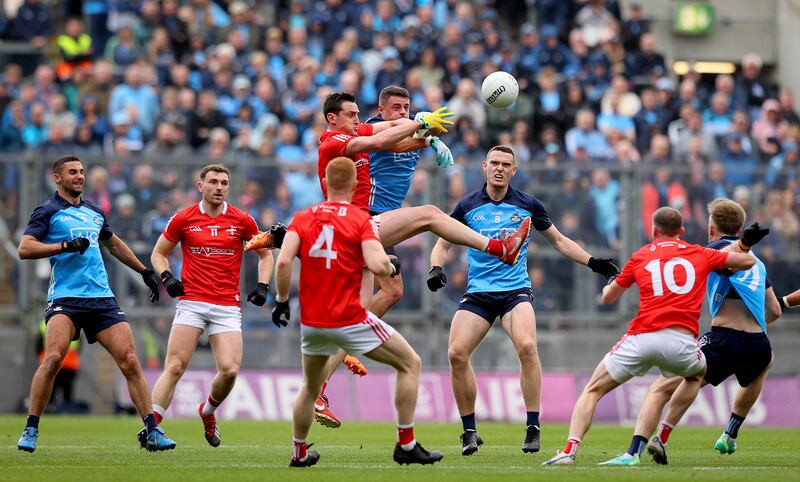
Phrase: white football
(500, 89)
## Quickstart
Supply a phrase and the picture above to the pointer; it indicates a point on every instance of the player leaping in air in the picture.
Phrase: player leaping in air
(346, 136)
(334, 241)
(671, 276)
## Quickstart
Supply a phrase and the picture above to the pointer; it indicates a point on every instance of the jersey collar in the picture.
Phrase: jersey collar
(730, 238)
(63, 202)
(485, 194)
(203, 211)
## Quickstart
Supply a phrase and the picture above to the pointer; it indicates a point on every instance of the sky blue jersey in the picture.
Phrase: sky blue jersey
(73, 275)
(390, 175)
(750, 286)
(490, 218)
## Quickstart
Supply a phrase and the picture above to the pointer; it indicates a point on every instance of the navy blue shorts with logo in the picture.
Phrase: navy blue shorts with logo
(92, 315)
(490, 305)
(735, 352)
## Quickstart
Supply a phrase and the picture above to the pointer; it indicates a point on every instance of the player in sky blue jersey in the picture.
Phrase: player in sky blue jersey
(390, 178)
(498, 290)
(741, 305)
(69, 231)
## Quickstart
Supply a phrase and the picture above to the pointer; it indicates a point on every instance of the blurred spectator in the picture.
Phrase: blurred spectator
(770, 129)
(633, 26)
(551, 53)
(551, 12)
(168, 142)
(659, 150)
(203, 119)
(135, 98)
(123, 49)
(85, 145)
(663, 190)
(783, 168)
(788, 112)
(75, 47)
(739, 165)
(58, 115)
(11, 127)
(718, 118)
(97, 188)
(100, 85)
(751, 88)
(301, 103)
(595, 21)
(35, 132)
(91, 115)
(467, 105)
(605, 193)
(549, 101)
(32, 23)
(645, 62)
(585, 135)
(127, 221)
(218, 142)
(693, 135)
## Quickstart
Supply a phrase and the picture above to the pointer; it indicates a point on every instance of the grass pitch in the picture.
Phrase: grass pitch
(90, 449)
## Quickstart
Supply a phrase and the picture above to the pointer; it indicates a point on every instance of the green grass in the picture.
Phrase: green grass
(89, 449)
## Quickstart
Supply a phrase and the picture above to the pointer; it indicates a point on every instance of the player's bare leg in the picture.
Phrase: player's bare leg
(118, 341)
(683, 397)
(401, 224)
(314, 376)
(390, 290)
(657, 397)
(58, 336)
(520, 325)
(180, 348)
(227, 348)
(466, 332)
(747, 396)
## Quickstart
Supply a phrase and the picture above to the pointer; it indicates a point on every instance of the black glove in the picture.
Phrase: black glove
(76, 245)
(281, 313)
(396, 263)
(173, 285)
(752, 235)
(278, 231)
(604, 266)
(258, 295)
(150, 279)
(436, 278)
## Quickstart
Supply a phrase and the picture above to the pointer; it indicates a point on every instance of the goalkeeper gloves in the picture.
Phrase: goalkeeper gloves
(604, 266)
(437, 119)
(420, 133)
(78, 245)
(444, 157)
(752, 235)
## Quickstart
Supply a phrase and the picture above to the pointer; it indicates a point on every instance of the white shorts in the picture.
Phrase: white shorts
(673, 352)
(208, 316)
(354, 339)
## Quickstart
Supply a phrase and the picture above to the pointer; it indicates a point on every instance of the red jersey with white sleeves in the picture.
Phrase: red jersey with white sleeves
(331, 263)
(332, 145)
(671, 276)
(212, 251)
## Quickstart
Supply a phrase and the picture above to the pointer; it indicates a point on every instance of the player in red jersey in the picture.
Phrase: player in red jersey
(671, 276)
(334, 241)
(211, 234)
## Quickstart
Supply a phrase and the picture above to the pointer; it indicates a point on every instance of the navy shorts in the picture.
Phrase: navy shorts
(735, 352)
(490, 305)
(92, 315)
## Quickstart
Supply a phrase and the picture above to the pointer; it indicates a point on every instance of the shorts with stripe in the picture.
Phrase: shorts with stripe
(209, 317)
(674, 353)
(354, 339)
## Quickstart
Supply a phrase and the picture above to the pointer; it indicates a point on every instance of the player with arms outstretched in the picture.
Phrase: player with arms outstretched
(496, 290)
(211, 234)
(741, 306)
(334, 241)
(69, 230)
(671, 276)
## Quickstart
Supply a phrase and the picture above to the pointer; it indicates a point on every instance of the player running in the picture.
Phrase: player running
(69, 231)
(671, 277)
(211, 234)
(741, 306)
(334, 241)
(347, 137)
(390, 178)
(498, 290)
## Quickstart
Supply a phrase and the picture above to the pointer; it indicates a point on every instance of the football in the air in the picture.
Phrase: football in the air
(500, 89)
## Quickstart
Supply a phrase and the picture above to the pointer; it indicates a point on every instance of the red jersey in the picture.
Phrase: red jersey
(212, 251)
(671, 276)
(331, 263)
(332, 145)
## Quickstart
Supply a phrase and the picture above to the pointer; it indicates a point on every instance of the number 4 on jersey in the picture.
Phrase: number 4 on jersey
(323, 246)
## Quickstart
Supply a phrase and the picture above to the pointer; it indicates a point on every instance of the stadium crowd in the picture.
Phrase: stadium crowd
(243, 81)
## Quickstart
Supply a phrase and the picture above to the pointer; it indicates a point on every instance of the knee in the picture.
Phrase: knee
(130, 365)
(429, 212)
(175, 368)
(52, 362)
(412, 364)
(230, 371)
(528, 353)
(459, 359)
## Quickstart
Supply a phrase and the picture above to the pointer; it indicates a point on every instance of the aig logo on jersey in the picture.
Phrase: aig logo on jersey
(516, 218)
(92, 234)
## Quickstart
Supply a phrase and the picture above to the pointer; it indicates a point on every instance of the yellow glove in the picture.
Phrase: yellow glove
(437, 119)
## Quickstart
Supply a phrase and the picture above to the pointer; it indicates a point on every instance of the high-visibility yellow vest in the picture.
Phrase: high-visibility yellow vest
(72, 46)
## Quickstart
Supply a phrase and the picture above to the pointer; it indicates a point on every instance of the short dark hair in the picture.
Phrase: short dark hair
(393, 91)
(213, 168)
(668, 221)
(727, 215)
(334, 101)
(58, 164)
(503, 148)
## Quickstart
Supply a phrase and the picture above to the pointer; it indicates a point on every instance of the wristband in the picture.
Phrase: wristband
(785, 303)
(743, 247)
(279, 300)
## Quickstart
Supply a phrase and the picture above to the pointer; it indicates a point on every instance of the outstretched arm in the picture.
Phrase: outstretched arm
(283, 267)
(382, 141)
(566, 246)
(611, 292)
